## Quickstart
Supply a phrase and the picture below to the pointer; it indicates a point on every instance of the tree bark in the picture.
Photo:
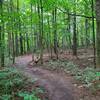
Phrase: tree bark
(1, 35)
(55, 32)
(98, 33)
(74, 38)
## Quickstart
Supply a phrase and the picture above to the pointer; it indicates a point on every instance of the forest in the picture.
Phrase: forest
(49, 49)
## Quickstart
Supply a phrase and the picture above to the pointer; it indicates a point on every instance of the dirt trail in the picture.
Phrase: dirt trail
(59, 86)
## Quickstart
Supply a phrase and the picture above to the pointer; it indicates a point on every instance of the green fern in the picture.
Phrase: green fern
(28, 96)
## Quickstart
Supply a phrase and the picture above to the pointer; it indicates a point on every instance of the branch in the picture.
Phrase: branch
(73, 14)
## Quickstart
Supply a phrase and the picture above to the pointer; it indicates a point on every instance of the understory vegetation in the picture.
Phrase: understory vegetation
(15, 86)
(86, 76)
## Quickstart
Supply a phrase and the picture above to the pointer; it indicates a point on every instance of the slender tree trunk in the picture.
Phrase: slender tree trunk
(27, 42)
(93, 30)
(74, 37)
(35, 34)
(74, 32)
(86, 32)
(1, 34)
(98, 33)
(41, 33)
(16, 34)
(50, 38)
(40, 16)
(9, 35)
(32, 43)
(19, 29)
(13, 47)
(21, 42)
(69, 30)
(55, 32)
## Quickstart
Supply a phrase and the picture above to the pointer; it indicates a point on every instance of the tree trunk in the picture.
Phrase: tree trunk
(98, 33)
(55, 32)
(41, 33)
(74, 32)
(93, 30)
(1, 35)
(12, 20)
(74, 37)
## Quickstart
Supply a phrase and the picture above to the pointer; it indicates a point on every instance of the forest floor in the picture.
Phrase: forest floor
(60, 86)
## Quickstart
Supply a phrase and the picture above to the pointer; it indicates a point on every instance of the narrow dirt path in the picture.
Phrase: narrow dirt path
(59, 86)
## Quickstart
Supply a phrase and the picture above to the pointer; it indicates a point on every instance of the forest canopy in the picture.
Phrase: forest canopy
(35, 26)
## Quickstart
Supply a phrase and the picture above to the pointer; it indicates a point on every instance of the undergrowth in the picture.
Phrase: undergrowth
(86, 76)
(12, 86)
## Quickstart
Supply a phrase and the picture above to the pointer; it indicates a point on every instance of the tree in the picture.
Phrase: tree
(40, 16)
(12, 31)
(1, 34)
(98, 33)
(55, 31)
(74, 33)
